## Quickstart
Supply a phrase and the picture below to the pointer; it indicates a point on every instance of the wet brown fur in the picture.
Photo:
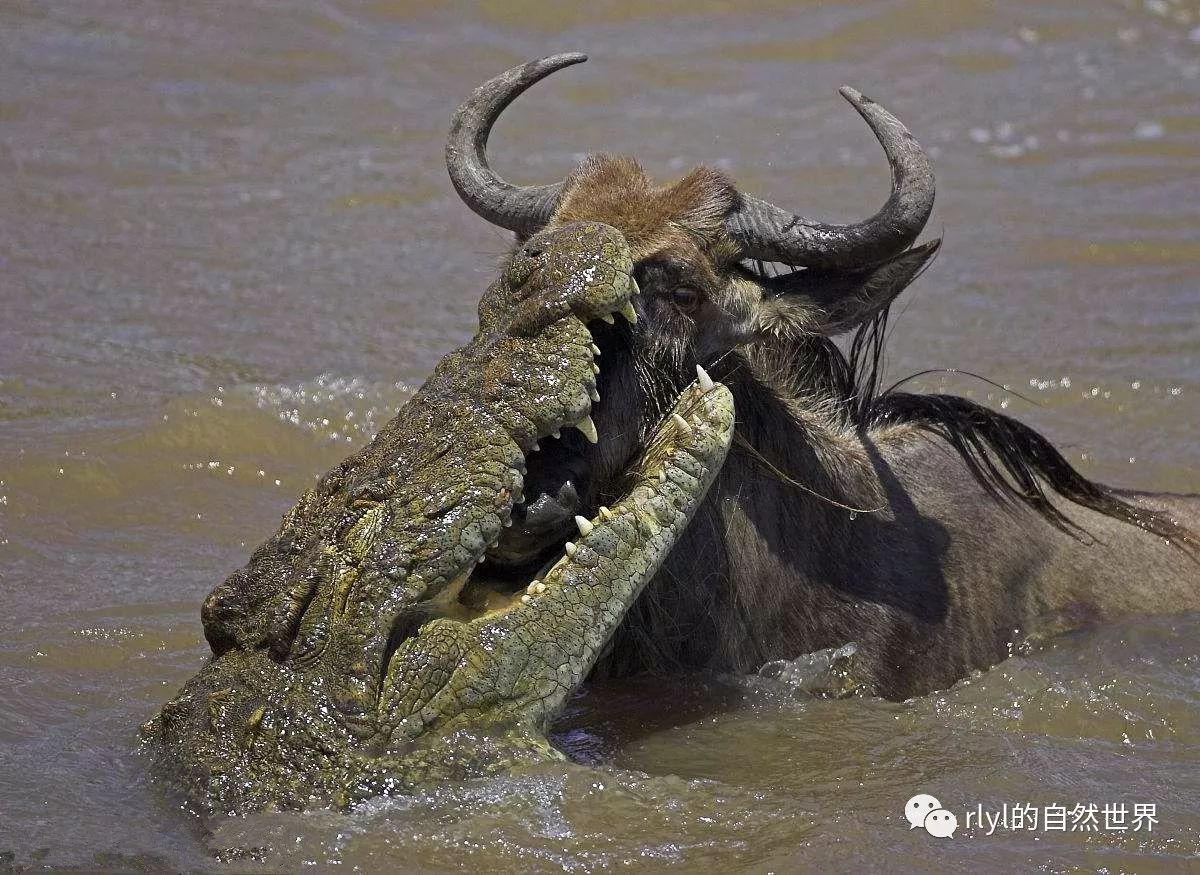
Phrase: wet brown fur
(689, 214)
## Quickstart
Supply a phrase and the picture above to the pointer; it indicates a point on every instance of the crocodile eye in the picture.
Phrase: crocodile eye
(685, 298)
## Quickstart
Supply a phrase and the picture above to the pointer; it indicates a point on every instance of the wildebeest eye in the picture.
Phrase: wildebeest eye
(685, 298)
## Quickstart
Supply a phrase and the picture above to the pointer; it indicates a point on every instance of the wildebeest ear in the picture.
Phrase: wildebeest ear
(833, 302)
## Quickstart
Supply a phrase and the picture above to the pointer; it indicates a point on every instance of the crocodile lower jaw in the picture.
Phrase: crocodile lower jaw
(482, 592)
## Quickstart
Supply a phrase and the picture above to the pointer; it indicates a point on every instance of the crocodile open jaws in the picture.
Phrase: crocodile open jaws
(364, 649)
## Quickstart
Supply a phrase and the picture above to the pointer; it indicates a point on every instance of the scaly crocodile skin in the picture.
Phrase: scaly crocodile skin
(320, 691)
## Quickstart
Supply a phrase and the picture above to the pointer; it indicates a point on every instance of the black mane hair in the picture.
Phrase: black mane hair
(1011, 461)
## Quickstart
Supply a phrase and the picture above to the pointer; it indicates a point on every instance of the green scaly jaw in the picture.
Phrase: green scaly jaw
(363, 635)
(681, 449)
(681, 455)
(541, 643)
(570, 288)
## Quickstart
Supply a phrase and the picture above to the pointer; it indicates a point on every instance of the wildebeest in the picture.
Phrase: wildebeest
(932, 531)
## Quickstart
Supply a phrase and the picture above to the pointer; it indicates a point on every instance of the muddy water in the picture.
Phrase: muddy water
(228, 247)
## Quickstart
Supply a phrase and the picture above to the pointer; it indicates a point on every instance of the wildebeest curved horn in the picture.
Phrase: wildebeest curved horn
(523, 209)
(768, 233)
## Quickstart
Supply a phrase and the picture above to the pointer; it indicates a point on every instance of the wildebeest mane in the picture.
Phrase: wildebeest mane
(1012, 462)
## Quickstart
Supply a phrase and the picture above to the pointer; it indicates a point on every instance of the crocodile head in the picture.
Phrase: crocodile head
(365, 648)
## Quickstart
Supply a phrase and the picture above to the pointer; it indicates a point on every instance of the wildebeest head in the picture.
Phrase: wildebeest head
(721, 272)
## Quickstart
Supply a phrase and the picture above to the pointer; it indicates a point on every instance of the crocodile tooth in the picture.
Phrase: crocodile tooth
(556, 434)
(570, 548)
(608, 317)
(706, 382)
(595, 350)
(536, 446)
(629, 313)
(535, 586)
(588, 428)
(634, 288)
(585, 525)
(606, 514)
(592, 391)
(595, 368)
(682, 424)
(525, 599)
(662, 475)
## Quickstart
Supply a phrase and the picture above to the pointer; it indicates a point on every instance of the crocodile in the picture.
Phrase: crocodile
(365, 649)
